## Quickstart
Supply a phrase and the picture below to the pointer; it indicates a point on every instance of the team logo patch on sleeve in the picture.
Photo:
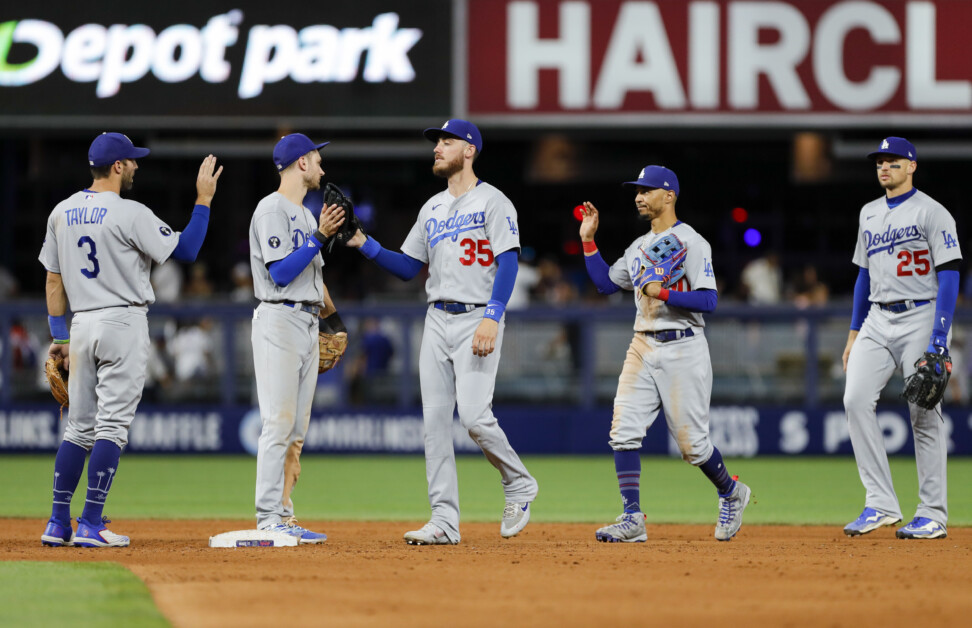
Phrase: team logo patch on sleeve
(274, 242)
(165, 230)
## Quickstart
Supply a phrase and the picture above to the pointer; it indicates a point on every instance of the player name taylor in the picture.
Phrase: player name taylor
(890, 238)
(458, 223)
(85, 215)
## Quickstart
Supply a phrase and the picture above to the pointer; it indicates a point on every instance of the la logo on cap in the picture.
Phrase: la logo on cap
(667, 184)
(885, 144)
(446, 124)
(641, 175)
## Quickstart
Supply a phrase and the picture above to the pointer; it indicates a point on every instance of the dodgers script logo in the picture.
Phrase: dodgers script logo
(438, 230)
(890, 238)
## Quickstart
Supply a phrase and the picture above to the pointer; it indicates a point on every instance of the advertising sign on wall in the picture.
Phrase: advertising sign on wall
(817, 62)
(360, 59)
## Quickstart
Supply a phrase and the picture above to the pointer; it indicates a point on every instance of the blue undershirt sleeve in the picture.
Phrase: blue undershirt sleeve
(285, 270)
(704, 300)
(948, 285)
(862, 294)
(506, 269)
(191, 238)
(598, 269)
(399, 264)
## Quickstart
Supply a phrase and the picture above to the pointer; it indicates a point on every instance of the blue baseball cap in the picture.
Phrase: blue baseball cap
(292, 147)
(897, 146)
(463, 129)
(656, 177)
(108, 148)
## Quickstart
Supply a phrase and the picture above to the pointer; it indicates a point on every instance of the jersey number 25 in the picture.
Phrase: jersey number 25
(913, 260)
(476, 251)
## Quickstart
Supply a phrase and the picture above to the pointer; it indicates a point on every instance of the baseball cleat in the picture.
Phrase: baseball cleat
(57, 534)
(731, 509)
(430, 534)
(630, 528)
(922, 528)
(304, 536)
(515, 517)
(97, 535)
(869, 521)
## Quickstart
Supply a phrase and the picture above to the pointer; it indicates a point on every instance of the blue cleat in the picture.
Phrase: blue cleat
(922, 528)
(869, 521)
(56, 534)
(98, 535)
(304, 536)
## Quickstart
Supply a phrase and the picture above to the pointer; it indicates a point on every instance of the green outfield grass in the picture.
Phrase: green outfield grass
(79, 595)
(572, 488)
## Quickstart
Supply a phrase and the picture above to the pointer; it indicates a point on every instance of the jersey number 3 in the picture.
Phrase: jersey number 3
(918, 262)
(476, 251)
(92, 252)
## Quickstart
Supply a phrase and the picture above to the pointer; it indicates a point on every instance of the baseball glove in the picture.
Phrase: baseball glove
(662, 261)
(55, 379)
(332, 347)
(334, 196)
(926, 386)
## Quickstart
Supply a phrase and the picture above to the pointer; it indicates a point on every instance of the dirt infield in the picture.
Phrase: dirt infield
(551, 575)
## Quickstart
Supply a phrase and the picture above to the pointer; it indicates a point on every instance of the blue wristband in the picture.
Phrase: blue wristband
(370, 248)
(59, 330)
(494, 310)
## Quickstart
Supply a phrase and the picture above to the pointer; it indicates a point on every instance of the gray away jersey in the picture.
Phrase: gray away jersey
(103, 247)
(459, 238)
(901, 247)
(656, 315)
(277, 229)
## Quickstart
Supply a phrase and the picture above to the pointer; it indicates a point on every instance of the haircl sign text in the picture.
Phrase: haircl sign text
(719, 56)
(111, 56)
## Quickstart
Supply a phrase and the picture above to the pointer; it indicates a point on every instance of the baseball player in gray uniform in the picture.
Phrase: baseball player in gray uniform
(288, 280)
(667, 365)
(98, 253)
(904, 299)
(468, 236)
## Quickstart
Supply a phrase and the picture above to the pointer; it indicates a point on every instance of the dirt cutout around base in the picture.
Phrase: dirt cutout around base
(549, 575)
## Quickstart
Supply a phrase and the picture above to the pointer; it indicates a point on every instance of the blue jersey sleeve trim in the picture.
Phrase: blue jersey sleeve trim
(598, 270)
(285, 270)
(704, 300)
(862, 295)
(191, 238)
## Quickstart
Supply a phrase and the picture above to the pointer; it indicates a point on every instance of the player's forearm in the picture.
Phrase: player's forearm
(285, 270)
(191, 238)
(401, 265)
(598, 271)
(56, 295)
(56, 308)
(506, 269)
(948, 287)
(862, 292)
(703, 301)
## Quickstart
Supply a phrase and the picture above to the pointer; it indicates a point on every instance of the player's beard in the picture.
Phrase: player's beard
(312, 182)
(446, 169)
(128, 180)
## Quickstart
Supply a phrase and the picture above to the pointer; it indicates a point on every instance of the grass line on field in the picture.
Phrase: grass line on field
(99, 595)
(798, 490)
